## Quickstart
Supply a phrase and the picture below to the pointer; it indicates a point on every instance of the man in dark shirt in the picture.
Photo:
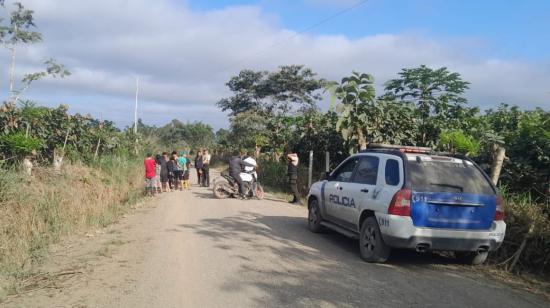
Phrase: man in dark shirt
(164, 171)
(198, 166)
(236, 163)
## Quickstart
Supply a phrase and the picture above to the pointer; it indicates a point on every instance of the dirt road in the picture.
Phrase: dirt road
(186, 249)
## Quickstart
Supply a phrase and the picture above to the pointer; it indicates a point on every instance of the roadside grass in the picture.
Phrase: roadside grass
(38, 210)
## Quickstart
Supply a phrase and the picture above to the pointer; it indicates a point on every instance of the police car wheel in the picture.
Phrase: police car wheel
(471, 258)
(314, 217)
(371, 244)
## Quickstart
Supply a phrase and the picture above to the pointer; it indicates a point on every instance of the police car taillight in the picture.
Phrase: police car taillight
(401, 203)
(499, 213)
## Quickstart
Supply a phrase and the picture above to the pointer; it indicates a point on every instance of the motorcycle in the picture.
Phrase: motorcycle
(228, 187)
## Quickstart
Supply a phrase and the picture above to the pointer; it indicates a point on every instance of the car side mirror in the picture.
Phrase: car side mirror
(327, 176)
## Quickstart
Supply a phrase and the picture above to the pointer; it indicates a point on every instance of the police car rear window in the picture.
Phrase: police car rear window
(447, 176)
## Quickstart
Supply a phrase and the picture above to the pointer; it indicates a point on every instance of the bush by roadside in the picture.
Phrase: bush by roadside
(37, 211)
(526, 247)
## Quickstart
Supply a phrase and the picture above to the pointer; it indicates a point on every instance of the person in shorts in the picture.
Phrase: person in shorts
(150, 169)
(182, 163)
(186, 172)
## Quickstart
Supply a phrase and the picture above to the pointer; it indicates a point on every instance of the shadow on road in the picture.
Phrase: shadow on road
(308, 269)
(204, 195)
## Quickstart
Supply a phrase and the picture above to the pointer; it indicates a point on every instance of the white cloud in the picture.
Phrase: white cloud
(184, 58)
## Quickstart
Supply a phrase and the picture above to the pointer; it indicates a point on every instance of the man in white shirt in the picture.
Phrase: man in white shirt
(206, 168)
(251, 170)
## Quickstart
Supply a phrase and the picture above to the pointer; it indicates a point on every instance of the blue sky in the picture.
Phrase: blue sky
(502, 28)
(184, 51)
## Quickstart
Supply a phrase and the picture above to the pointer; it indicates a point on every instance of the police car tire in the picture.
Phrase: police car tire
(471, 258)
(371, 245)
(314, 217)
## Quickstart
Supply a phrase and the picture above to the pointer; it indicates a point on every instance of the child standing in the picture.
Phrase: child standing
(150, 166)
(158, 168)
(182, 162)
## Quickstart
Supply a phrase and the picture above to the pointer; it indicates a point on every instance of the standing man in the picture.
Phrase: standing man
(198, 166)
(178, 171)
(164, 172)
(172, 172)
(292, 173)
(205, 168)
(150, 166)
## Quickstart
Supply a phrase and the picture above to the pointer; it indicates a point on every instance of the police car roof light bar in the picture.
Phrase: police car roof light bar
(402, 148)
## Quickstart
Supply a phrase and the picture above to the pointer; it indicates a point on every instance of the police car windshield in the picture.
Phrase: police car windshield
(447, 176)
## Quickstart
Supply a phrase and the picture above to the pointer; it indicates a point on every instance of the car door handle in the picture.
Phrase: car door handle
(365, 190)
(340, 188)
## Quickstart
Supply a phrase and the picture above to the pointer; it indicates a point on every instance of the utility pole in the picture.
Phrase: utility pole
(136, 106)
(135, 116)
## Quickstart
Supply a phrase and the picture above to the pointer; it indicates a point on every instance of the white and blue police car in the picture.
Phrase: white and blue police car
(410, 197)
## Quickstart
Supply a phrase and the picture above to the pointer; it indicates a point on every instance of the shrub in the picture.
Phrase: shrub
(527, 222)
(19, 144)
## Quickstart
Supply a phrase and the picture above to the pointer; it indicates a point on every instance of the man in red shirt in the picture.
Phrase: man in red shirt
(150, 166)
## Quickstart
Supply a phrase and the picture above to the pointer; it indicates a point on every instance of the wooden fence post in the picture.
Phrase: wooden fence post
(310, 171)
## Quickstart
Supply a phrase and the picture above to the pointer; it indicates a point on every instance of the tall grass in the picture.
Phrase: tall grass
(37, 211)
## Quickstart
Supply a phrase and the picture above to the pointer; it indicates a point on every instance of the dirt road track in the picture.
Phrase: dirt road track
(186, 249)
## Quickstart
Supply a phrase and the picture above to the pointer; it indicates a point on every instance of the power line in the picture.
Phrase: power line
(305, 30)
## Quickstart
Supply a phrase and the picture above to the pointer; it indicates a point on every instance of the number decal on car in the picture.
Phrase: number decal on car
(383, 222)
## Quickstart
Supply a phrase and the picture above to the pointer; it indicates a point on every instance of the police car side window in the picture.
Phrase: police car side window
(367, 171)
(344, 173)
(392, 172)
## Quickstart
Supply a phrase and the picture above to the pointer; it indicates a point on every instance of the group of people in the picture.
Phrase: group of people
(166, 172)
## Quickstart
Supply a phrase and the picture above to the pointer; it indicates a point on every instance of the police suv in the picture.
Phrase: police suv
(410, 197)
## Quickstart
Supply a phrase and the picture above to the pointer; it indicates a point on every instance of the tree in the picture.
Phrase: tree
(291, 87)
(357, 100)
(437, 94)
(177, 134)
(316, 131)
(248, 130)
(53, 69)
(20, 31)
(527, 138)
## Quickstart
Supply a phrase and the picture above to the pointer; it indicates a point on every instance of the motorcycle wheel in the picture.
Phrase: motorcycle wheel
(221, 190)
(260, 194)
